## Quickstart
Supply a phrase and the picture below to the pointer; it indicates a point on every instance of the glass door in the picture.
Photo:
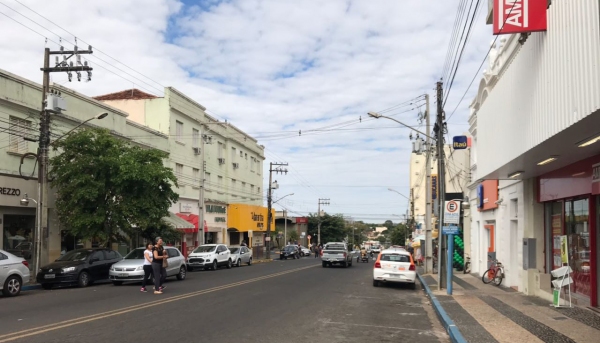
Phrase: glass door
(578, 234)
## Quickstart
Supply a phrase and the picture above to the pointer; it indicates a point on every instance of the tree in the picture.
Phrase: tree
(398, 235)
(388, 224)
(293, 236)
(108, 189)
(333, 228)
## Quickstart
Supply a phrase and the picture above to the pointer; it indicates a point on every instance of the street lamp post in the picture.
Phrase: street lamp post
(37, 246)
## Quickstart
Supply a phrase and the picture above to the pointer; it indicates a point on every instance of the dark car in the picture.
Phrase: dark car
(290, 251)
(78, 267)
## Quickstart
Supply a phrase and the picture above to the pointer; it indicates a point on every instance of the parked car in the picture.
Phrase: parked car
(78, 267)
(240, 255)
(336, 253)
(14, 273)
(23, 249)
(394, 265)
(290, 251)
(131, 268)
(209, 256)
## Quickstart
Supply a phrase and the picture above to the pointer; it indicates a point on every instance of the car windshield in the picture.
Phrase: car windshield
(290, 248)
(75, 255)
(234, 250)
(395, 258)
(136, 254)
(335, 247)
(205, 248)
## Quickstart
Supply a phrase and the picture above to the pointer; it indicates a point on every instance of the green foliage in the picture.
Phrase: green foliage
(293, 236)
(109, 189)
(162, 230)
(333, 228)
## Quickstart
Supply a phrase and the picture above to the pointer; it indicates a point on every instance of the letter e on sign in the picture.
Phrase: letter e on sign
(452, 212)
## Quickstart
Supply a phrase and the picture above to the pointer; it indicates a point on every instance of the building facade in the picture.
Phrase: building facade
(20, 106)
(534, 167)
(200, 147)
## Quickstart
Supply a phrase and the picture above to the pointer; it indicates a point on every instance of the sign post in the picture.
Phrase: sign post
(450, 228)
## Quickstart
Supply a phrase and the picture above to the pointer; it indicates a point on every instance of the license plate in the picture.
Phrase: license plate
(394, 276)
(401, 268)
(49, 276)
(123, 274)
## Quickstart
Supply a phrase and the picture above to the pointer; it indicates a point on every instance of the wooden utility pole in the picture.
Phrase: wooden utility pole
(270, 201)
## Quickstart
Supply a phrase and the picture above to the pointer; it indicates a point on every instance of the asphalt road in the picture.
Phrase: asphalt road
(282, 301)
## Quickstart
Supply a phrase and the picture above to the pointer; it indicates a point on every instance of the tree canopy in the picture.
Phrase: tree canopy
(333, 227)
(109, 189)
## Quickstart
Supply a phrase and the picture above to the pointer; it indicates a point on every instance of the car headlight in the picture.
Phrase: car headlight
(68, 269)
(112, 268)
(139, 268)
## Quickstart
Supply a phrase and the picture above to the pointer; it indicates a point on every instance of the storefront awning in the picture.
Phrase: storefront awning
(180, 224)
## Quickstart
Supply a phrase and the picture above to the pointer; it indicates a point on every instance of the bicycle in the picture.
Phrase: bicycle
(467, 268)
(494, 273)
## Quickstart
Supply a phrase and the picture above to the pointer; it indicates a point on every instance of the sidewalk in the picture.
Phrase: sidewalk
(486, 313)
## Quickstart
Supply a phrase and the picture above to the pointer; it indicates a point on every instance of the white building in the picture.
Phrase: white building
(534, 163)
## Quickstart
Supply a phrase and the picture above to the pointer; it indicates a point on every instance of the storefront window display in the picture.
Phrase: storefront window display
(578, 233)
(18, 235)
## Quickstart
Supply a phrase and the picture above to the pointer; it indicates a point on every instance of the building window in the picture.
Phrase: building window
(220, 150)
(258, 167)
(241, 153)
(577, 229)
(195, 138)
(179, 131)
(243, 187)
(252, 189)
(252, 164)
(178, 170)
(196, 175)
(258, 190)
(233, 151)
(19, 129)
(220, 184)
(207, 181)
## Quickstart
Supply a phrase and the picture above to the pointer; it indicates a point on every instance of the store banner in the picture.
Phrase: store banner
(519, 16)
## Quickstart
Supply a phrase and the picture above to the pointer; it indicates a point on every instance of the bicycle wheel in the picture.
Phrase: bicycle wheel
(498, 278)
(488, 276)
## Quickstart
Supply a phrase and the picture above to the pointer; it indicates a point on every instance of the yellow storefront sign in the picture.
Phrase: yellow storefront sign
(244, 218)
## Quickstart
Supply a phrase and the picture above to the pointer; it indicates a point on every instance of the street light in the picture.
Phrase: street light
(99, 116)
(395, 191)
(284, 218)
(25, 202)
(377, 116)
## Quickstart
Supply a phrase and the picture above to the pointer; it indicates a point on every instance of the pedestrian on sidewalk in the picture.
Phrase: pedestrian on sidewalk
(147, 265)
(159, 255)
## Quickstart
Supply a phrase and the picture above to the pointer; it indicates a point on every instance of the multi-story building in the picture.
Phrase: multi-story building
(535, 121)
(20, 106)
(200, 147)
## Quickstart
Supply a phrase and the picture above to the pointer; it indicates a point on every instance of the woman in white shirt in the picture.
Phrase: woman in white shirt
(147, 265)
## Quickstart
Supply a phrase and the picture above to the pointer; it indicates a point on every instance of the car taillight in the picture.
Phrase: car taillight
(377, 264)
(25, 263)
(412, 267)
(321, 253)
(344, 254)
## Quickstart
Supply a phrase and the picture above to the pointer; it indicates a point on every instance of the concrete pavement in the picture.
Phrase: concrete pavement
(281, 301)
(486, 313)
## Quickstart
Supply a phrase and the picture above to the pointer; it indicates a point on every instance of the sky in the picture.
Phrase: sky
(275, 69)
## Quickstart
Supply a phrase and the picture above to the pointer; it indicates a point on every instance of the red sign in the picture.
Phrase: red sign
(518, 16)
(301, 220)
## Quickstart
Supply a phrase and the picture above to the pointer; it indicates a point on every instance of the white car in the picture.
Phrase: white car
(209, 256)
(240, 255)
(131, 268)
(304, 251)
(14, 273)
(394, 265)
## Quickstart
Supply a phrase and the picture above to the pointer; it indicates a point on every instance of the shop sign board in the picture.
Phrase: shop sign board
(519, 16)
(459, 142)
(452, 212)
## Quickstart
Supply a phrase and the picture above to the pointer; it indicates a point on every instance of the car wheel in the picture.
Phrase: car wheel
(12, 286)
(190, 269)
(215, 266)
(84, 279)
(250, 261)
(350, 263)
(239, 263)
(375, 283)
(182, 273)
(345, 265)
(413, 286)
(117, 283)
(229, 264)
(324, 264)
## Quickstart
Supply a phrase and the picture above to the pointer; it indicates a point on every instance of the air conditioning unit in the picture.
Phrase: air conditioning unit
(196, 151)
(236, 165)
(221, 161)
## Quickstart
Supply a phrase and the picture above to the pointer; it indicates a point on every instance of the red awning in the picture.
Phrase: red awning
(192, 219)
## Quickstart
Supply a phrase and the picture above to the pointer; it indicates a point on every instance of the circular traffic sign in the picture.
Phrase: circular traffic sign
(452, 206)
(309, 236)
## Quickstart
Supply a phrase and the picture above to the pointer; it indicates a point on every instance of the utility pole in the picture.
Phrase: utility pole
(42, 233)
(321, 202)
(439, 129)
(412, 208)
(277, 170)
(428, 195)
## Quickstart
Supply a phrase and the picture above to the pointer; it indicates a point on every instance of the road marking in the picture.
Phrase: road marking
(81, 320)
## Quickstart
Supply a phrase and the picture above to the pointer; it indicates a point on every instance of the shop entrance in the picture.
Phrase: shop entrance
(18, 235)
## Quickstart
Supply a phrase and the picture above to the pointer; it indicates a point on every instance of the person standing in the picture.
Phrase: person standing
(147, 265)
(159, 255)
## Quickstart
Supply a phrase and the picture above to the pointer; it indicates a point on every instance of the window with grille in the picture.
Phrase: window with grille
(195, 138)
(252, 164)
(179, 131)
(178, 170)
(19, 129)
(196, 175)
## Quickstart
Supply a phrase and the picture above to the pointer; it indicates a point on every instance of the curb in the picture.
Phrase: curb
(261, 261)
(31, 287)
(451, 328)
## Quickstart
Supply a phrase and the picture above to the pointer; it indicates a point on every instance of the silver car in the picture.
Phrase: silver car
(131, 268)
(240, 255)
(14, 273)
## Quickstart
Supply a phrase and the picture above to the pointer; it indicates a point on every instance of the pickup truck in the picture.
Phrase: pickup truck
(336, 253)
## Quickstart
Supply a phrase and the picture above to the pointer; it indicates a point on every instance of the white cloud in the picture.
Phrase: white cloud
(275, 66)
